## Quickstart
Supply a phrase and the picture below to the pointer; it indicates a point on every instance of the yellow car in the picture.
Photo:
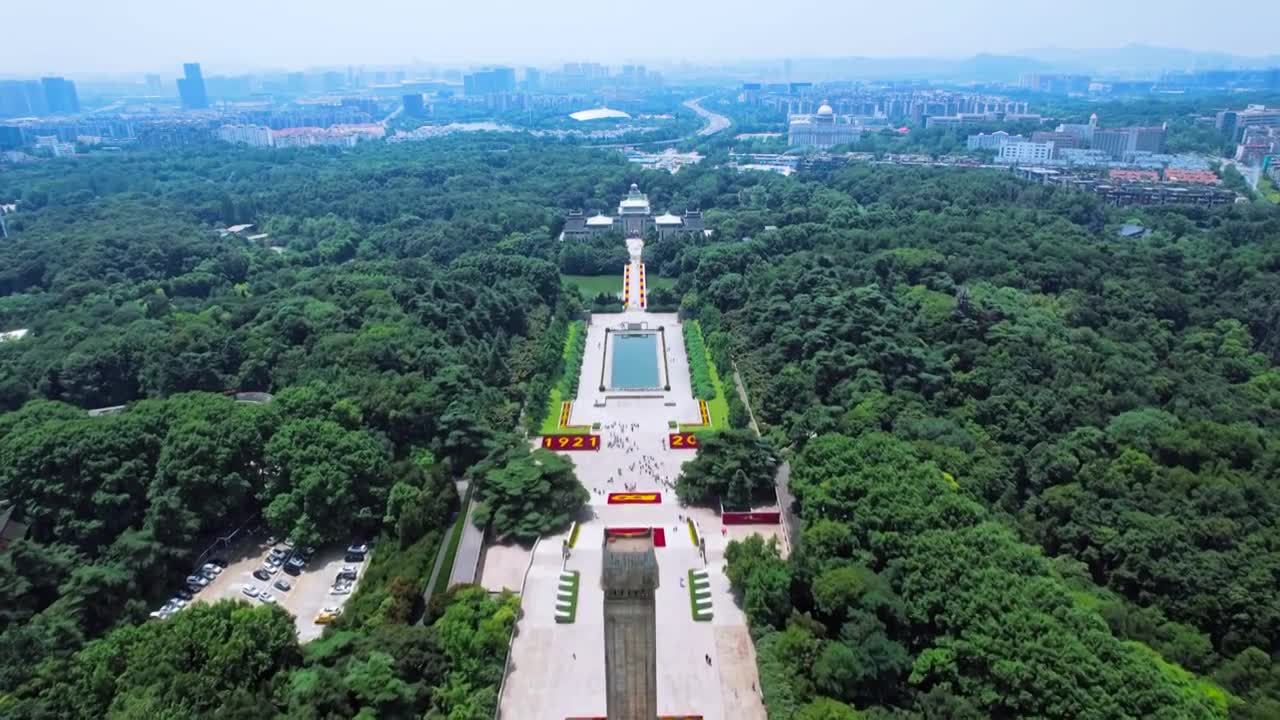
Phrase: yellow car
(325, 618)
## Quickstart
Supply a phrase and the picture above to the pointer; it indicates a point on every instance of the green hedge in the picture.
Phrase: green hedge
(544, 416)
(699, 365)
(575, 345)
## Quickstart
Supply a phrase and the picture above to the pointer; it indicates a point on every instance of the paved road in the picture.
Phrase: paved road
(715, 123)
(467, 560)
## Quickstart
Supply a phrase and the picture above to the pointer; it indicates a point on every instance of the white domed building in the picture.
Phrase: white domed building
(821, 130)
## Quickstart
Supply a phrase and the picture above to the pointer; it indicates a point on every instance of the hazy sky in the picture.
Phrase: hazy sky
(83, 36)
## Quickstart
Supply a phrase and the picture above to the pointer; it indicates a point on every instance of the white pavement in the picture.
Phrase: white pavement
(557, 670)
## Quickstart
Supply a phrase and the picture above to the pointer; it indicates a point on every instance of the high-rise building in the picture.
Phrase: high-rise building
(532, 79)
(413, 105)
(13, 99)
(489, 82)
(10, 137)
(334, 81)
(60, 95)
(191, 88)
(154, 86)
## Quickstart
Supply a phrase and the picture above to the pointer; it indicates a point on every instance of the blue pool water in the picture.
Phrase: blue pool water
(635, 361)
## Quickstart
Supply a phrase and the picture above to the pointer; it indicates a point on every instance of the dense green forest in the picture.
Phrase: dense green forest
(1036, 464)
(968, 367)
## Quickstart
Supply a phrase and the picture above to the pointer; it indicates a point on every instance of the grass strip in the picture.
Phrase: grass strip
(698, 616)
(573, 601)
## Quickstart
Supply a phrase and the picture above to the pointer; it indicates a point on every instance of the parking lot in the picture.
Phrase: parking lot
(310, 590)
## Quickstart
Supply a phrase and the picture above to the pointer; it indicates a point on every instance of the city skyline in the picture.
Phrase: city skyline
(291, 35)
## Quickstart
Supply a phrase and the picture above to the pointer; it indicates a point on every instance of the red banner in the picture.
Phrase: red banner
(635, 498)
(571, 443)
(751, 518)
(682, 441)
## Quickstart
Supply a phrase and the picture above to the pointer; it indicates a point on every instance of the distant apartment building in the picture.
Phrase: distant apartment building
(992, 141)
(10, 137)
(335, 136)
(60, 95)
(1119, 141)
(1130, 193)
(1083, 131)
(252, 135)
(191, 88)
(1233, 123)
(1029, 153)
(1056, 84)
(414, 105)
(532, 79)
(821, 130)
(22, 98)
(489, 82)
(1257, 143)
(960, 119)
(154, 85)
(1061, 140)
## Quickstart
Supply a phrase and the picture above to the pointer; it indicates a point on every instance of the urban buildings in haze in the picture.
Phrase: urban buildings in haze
(413, 105)
(20, 98)
(191, 88)
(1233, 123)
(60, 95)
(489, 82)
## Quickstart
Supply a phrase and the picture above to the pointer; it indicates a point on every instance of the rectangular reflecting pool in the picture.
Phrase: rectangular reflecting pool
(635, 361)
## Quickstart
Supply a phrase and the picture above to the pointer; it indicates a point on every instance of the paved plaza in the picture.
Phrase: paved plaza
(557, 670)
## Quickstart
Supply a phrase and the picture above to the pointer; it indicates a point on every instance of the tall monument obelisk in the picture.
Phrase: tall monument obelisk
(629, 577)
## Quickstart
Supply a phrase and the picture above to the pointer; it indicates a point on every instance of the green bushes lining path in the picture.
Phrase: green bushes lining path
(575, 344)
(699, 363)
(565, 388)
(703, 376)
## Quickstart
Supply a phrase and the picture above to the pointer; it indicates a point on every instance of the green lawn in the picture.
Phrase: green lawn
(593, 285)
(718, 406)
(654, 281)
